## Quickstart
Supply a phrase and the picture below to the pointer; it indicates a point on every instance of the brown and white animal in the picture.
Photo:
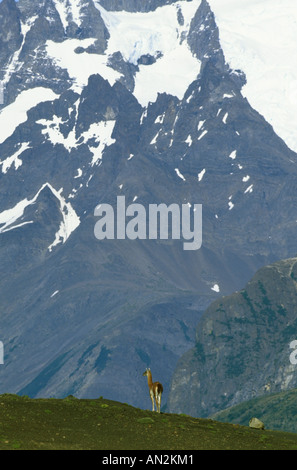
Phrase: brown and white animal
(156, 390)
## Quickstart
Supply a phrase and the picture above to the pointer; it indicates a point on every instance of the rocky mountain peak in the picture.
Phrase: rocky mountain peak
(134, 99)
(134, 5)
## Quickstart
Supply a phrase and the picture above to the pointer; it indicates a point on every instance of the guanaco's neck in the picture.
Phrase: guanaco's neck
(149, 379)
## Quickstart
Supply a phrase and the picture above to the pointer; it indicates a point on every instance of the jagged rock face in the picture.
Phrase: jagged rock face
(242, 346)
(10, 34)
(134, 5)
(88, 117)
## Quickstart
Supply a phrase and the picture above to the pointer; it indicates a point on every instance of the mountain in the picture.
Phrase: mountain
(108, 99)
(243, 346)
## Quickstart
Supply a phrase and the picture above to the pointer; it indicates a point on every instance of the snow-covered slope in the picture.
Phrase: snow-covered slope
(64, 56)
(69, 10)
(15, 214)
(160, 35)
(16, 113)
(259, 38)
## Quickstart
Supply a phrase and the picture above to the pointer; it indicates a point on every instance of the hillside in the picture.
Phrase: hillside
(75, 424)
(277, 411)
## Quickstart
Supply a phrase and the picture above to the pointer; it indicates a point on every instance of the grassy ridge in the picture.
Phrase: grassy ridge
(277, 411)
(78, 424)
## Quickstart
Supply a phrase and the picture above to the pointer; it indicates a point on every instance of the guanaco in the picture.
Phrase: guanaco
(156, 390)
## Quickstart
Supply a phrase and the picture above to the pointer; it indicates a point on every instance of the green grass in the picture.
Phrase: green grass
(277, 411)
(79, 424)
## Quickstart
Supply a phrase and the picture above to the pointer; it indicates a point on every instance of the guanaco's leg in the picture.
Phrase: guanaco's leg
(158, 402)
(152, 398)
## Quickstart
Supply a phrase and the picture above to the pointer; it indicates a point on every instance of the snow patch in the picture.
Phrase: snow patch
(225, 118)
(200, 125)
(190, 97)
(143, 116)
(70, 219)
(16, 113)
(189, 140)
(249, 189)
(202, 135)
(154, 140)
(16, 226)
(201, 174)
(160, 119)
(179, 174)
(79, 173)
(14, 159)
(216, 288)
(80, 66)
(53, 133)
(101, 132)
(69, 11)
(54, 293)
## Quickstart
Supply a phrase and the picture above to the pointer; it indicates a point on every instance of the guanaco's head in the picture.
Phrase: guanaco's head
(147, 371)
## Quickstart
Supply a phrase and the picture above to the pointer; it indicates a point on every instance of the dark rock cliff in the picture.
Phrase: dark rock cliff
(242, 346)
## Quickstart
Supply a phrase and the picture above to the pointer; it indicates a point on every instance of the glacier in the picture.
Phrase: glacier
(160, 35)
(259, 38)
